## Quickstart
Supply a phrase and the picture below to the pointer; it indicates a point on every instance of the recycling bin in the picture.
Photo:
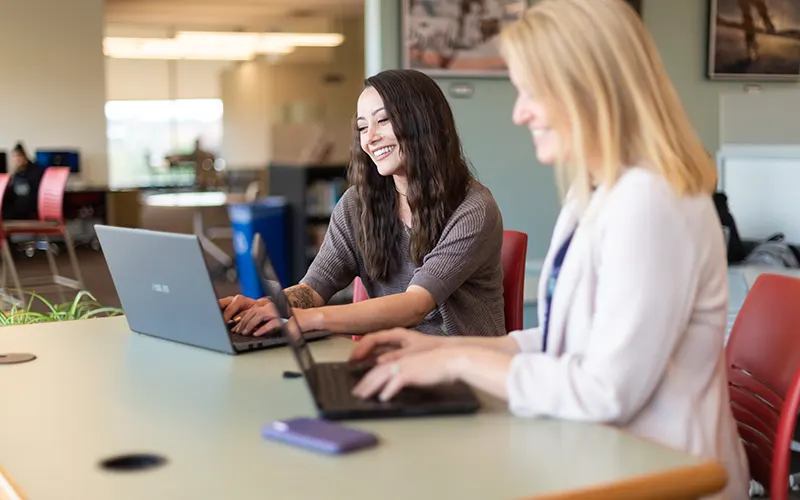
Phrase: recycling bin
(269, 217)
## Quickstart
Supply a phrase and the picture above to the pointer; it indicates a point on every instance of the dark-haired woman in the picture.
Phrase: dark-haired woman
(20, 201)
(422, 234)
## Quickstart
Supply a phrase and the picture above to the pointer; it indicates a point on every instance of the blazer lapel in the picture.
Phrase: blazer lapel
(570, 274)
(566, 224)
(562, 302)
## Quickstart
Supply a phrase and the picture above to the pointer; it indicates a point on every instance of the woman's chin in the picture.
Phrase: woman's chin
(545, 157)
(387, 169)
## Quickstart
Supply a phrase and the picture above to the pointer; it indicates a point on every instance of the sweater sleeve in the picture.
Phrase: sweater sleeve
(473, 235)
(335, 265)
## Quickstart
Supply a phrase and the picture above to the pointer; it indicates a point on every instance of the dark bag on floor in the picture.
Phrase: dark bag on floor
(736, 250)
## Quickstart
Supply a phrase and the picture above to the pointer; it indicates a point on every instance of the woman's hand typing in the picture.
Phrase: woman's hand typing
(259, 320)
(233, 307)
(400, 341)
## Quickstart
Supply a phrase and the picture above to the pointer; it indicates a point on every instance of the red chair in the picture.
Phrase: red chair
(359, 292)
(763, 357)
(515, 248)
(7, 259)
(51, 222)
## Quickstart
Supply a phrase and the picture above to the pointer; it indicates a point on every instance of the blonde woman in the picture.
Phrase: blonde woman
(634, 298)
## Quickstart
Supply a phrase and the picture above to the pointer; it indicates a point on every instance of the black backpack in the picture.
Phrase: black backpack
(736, 250)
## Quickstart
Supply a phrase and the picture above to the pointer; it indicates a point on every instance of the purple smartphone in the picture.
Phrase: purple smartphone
(319, 435)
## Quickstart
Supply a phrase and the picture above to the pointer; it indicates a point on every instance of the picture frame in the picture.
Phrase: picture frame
(447, 38)
(753, 40)
(456, 38)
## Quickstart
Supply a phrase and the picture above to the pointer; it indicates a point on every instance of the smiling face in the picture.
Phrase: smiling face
(377, 135)
(531, 112)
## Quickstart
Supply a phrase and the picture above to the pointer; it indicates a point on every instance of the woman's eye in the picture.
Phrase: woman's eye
(361, 129)
(383, 120)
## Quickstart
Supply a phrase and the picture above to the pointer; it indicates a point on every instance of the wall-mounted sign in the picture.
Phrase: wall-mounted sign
(462, 90)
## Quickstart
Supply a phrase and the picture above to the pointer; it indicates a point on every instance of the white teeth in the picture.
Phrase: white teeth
(539, 131)
(383, 151)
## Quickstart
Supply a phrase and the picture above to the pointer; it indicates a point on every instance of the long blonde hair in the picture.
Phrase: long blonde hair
(600, 77)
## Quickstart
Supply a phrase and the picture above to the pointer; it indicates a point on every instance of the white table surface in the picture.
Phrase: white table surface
(97, 390)
(198, 199)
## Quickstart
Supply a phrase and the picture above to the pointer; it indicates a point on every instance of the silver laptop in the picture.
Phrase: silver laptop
(163, 284)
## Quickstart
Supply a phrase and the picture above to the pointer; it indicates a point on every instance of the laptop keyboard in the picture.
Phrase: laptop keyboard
(337, 380)
(245, 339)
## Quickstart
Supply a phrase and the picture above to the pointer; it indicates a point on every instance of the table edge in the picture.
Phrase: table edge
(684, 482)
(9, 490)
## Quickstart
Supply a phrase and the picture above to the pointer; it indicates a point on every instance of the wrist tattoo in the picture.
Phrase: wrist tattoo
(300, 297)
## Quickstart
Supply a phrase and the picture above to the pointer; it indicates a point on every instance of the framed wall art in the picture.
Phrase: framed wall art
(456, 38)
(754, 39)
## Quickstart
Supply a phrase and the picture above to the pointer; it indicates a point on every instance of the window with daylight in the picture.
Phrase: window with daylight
(141, 134)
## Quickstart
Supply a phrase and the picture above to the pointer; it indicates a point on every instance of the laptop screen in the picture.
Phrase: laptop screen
(274, 291)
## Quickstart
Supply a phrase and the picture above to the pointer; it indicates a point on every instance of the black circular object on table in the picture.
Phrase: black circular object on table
(14, 358)
(133, 462)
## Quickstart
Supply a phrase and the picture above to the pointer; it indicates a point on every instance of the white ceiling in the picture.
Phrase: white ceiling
(227, 14)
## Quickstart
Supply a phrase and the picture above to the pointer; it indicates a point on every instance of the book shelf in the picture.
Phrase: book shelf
(311, 192)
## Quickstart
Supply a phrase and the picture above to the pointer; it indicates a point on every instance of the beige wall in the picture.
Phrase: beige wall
(288, 96)
(245, 118)
(134, 79)
(52, 86)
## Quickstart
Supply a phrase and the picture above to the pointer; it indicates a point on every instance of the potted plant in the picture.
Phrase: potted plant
(83, 306)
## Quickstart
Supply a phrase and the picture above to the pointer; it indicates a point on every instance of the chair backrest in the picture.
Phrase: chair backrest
(515, 247)
(763, 357)
(359, 292)
(51, 194)
(4, 180)
(252, 191)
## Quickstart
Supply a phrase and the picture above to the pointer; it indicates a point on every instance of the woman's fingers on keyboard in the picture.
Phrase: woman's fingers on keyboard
(254, 318)
(269, 328)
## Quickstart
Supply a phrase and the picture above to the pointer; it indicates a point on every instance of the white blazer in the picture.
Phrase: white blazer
(637, 324)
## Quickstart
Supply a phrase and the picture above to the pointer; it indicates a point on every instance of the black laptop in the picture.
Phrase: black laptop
(331, 383)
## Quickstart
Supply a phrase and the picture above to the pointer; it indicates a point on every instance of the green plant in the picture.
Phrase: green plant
(83, 306)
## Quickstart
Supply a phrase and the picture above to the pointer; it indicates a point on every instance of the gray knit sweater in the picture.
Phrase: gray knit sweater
(463, 272)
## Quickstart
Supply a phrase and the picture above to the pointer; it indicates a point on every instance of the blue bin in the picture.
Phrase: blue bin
(269, 217)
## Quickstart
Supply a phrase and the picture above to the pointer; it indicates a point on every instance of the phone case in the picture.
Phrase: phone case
(319, 435)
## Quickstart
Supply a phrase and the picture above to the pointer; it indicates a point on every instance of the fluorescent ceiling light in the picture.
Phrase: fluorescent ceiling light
(267, 39)
(308, 39)
(175, 48)
(216, 45)
(243, 41)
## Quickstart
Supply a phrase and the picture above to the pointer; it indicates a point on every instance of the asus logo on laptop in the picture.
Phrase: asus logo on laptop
(160, 288)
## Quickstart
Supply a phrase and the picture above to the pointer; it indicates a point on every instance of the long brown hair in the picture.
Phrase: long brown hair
(437, 172)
